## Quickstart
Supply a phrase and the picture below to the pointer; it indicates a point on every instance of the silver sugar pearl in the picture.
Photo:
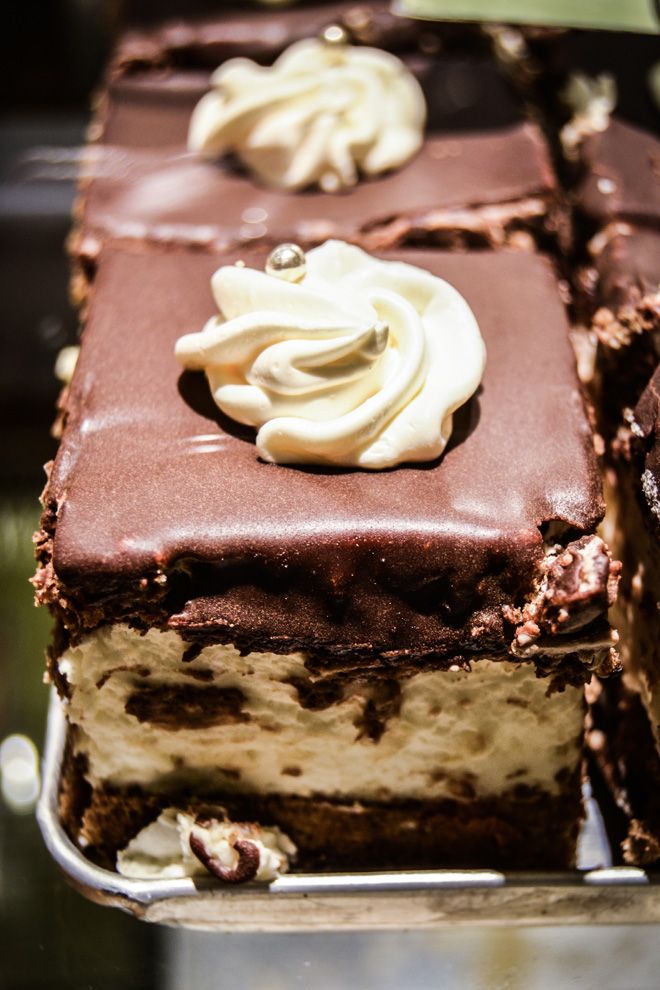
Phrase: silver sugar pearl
(287, 261)
(334, 34)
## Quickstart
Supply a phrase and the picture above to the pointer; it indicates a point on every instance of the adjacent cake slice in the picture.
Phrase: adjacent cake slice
(380, 668)
(627, 717)
(157, 75)
(612, 145)
(482, 175)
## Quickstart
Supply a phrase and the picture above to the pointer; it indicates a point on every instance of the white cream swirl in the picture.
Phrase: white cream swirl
(162, 850)
(362, 363)
(322, 114)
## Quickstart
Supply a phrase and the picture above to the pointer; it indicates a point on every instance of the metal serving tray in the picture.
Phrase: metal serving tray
(596, 893)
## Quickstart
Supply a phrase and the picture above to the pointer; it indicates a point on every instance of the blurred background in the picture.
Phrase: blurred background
(52, 56)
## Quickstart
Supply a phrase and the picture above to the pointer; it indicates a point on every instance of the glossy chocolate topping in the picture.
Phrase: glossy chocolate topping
(627, 57)
(153, 107)
(622, 175)
(169, 197)
(149, 109)
(154, 489)
(629, 268)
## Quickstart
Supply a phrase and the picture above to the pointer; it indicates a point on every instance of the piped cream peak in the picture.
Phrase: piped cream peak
(359, 363)
(323, 114)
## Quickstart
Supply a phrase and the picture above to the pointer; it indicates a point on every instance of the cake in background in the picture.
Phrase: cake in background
(626, 716)
(612, 148)
(601, 89)
(483, 176)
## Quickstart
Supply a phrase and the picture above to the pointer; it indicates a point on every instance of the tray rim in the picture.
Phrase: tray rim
(149, 898)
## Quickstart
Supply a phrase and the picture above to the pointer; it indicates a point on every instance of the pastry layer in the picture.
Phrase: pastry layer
(520, 829)
(159, 511)
(626, 271)
(634, 523)
(482, 175)
(262, 723)
(481, 187)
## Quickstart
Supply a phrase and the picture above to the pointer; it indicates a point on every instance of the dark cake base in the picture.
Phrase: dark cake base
(522, 829)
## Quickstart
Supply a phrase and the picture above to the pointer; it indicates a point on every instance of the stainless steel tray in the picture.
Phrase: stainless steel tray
(596, 893)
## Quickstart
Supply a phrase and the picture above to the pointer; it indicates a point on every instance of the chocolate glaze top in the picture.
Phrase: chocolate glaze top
(149, 109)
(478, 152)
(622, 175)
(263, 33)
(156, 497)
(153, 107)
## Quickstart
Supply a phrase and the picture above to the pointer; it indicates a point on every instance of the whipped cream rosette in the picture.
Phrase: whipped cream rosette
(322, 114)
(361, 363)
(181, 844)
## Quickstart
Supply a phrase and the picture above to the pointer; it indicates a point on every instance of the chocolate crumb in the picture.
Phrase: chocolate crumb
(578, 585)
(230, 772)
(248, 858)
(200, 674)
(187, 706)
(383, 702)
(191, 652)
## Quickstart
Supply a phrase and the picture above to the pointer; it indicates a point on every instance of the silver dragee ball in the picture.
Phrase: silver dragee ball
(334, 34)
(287, 261)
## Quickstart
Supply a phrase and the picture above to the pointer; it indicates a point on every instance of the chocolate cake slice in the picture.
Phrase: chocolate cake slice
(616, 199)
(619, 197)
(483, 177)
(623, 344)
(157, 75)
(384, 669)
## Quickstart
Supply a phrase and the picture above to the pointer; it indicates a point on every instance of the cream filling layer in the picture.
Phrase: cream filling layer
(456, 733)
